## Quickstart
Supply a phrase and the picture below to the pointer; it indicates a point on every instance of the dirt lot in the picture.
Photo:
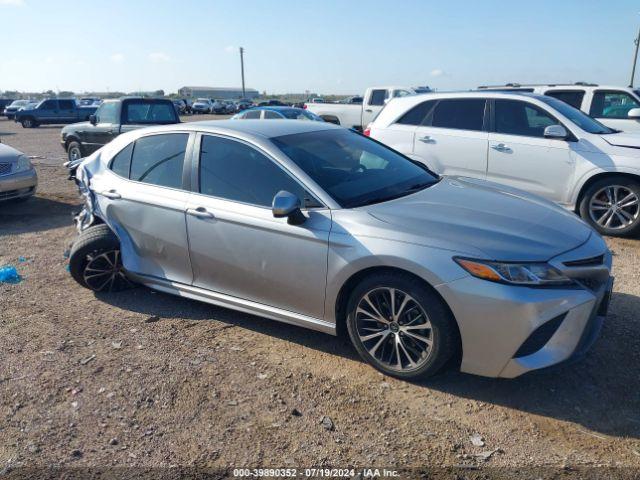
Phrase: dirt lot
(144, 379)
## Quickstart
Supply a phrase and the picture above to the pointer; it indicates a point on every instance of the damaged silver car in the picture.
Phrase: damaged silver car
(318, 226)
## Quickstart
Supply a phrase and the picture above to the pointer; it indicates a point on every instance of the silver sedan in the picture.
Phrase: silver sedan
(317, 226)
(18, 178)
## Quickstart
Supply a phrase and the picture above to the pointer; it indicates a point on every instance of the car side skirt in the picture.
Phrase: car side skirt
(234, 303)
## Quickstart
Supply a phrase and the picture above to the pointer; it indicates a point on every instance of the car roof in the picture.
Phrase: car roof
(260, 128)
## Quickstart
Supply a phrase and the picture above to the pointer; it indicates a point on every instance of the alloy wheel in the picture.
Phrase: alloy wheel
(104, 272)
(614, 207)
(394, 329)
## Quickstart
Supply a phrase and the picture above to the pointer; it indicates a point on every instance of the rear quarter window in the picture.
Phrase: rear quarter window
(149, 112)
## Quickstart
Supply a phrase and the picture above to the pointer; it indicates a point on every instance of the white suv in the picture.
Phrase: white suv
(532, 142)
(616, 107)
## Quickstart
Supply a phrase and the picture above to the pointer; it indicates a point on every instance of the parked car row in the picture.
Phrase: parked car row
(207, 105)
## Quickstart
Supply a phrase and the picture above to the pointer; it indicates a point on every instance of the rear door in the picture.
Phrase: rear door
(67, 111)
(237, 247)
(143, 197)
(611, 107)
(520, 156)
(453, 137)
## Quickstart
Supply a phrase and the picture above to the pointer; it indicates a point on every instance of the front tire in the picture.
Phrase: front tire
(74, 151)
(612, 206)
(400, 326)
(95, 261)
(28, 123)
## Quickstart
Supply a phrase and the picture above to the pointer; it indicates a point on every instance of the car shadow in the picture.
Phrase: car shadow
(35, 214)
(598, 392)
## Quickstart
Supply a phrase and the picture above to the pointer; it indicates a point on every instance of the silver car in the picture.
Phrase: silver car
(318, 226)
(18, 178)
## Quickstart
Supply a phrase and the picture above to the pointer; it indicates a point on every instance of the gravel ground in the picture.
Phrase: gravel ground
(147, 380)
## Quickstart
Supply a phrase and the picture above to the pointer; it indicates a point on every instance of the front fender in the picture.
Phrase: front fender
(588, 175)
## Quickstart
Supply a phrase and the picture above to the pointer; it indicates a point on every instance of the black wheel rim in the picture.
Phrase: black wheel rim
(104, 272)
(394, 329)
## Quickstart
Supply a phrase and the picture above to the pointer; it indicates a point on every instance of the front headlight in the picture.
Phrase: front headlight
(23, 164)
(528, 274)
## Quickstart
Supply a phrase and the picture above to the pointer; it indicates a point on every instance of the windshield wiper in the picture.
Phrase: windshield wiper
(412, 189)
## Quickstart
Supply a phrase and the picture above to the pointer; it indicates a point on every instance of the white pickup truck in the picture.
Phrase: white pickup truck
(355, 115)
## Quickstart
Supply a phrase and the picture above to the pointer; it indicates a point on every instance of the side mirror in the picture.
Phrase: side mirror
(93, 119)
(286, 204)
(634, 113)
(556, 131)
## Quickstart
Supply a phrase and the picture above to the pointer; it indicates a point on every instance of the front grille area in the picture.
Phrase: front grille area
(5, 168)
(586, 262)
(540, 337)
(590, 283)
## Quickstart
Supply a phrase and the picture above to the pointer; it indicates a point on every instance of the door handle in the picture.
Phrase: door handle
(199, 212)
(427, 139)
(501, 147)
(112, 194)
(368, 110)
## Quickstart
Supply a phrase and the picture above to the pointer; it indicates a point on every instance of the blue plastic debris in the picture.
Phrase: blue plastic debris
(9, 274)
(22, 259)
(68, 268)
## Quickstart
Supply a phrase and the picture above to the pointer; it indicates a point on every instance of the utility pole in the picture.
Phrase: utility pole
(635, 58)
(242, 70)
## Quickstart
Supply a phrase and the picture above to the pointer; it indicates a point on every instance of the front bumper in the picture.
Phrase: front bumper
(18, 185)
(507, 330)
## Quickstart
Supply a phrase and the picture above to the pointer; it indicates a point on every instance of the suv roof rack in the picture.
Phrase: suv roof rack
(518, 85)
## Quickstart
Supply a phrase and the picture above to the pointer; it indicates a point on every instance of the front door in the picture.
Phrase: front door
(106, 128)
(144, 202)
(520, 156)
(452, 139)
(236, 245)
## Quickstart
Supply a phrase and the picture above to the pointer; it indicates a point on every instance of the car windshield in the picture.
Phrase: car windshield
(354, 169)
(581, 119)
(300, 115)
(19, 103)
(203, 100)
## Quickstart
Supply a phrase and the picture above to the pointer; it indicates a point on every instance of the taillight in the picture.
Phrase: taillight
(304, 106)
(367, 132)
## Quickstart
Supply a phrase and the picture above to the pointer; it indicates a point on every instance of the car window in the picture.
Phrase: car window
(353, 169)
(417, 114)
(149, 112)
(401, 93)
(378, 97)
(572, 97)
(272, 115)
(107, 113)
(49, 105)
(66, 104)
(612, 104)
(158, 159)
(121, 163)
(253, 114)
(513, 117)
(459, 114)
(235, 171)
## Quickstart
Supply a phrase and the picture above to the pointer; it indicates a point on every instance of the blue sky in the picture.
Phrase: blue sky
(327, 46)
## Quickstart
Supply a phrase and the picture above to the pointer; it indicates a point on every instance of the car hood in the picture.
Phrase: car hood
(630, 140)
(474, 216)
(8, 154)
